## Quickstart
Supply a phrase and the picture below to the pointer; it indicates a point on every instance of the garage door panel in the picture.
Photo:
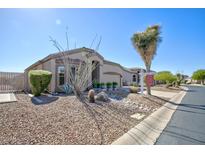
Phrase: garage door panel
(111, 78)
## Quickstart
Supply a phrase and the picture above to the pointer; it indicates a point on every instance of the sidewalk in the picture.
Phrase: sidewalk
(163, 94)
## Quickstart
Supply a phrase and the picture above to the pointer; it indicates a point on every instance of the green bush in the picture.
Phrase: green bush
(108, 84)
(134, 84)
(102, 85)
(114, 85)
(39, 81)
(199, 75)
(98, 84)
(94, 84)
(185, 81)
(165, 77)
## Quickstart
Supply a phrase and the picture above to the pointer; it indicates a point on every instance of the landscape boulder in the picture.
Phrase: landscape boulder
(102, 96)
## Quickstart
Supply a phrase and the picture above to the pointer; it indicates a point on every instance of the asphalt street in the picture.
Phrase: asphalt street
(187, 125)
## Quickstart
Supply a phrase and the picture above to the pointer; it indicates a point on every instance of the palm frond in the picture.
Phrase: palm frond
(146, 43)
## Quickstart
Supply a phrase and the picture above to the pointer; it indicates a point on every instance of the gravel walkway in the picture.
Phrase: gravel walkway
(67, 121)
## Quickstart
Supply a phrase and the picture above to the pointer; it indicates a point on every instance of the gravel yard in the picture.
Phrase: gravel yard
(67, 121)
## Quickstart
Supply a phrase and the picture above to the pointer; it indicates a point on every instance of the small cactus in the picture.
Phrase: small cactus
(91, 96)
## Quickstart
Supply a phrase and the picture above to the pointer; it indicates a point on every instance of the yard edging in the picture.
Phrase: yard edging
(148, 131)
(198, 85)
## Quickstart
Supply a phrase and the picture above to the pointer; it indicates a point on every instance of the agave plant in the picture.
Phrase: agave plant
(146, 44)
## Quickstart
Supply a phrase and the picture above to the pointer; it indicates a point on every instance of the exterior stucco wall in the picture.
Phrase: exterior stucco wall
(111, 68)
(108, 71)
(51, 66)
(127, 77)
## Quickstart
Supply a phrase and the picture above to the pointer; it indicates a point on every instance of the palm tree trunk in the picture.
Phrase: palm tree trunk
(148, 87)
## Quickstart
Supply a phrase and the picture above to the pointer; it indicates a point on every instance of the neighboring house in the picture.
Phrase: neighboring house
(106, 71)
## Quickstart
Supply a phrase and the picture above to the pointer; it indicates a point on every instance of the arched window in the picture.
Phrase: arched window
(134, 78)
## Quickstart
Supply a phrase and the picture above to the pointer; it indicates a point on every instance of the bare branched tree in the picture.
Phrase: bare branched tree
(78, 71)
(80, 78)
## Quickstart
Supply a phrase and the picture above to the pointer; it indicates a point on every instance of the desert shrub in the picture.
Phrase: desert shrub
(133, 89)
(178, 83)
(134, 84)
(185, 81)
(39, 81)
(180, 79)
(108, 85)
(67, 89)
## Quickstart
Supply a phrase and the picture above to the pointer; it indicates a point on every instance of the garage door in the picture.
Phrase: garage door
(112, 78)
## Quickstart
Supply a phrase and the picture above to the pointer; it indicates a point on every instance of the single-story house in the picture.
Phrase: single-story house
(107, 71)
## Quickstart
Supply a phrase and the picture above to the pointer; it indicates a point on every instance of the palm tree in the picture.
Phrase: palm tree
(146, 45)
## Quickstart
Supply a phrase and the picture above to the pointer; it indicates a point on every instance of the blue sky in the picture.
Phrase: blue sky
(24, 35)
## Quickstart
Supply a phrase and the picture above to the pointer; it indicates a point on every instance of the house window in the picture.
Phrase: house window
(73, 72)
(138, 79)
(61, 75)
(134, 78)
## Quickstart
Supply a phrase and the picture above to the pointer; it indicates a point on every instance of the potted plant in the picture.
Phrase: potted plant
(102, 85)
(98, 85)
(114, 85)
(108, 84)
(94, 84)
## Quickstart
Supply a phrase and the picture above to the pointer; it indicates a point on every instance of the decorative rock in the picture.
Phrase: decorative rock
(91, 96)
(138, 116)
(102, 96)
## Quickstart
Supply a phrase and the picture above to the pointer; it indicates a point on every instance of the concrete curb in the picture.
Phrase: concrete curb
(148, 131)
(198, 85)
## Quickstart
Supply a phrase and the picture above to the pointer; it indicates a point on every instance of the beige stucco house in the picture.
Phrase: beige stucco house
(107, 71)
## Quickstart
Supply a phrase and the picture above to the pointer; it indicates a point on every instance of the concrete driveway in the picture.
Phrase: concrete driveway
(187, 125)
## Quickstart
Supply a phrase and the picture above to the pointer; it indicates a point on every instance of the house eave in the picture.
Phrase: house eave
(59, 54)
